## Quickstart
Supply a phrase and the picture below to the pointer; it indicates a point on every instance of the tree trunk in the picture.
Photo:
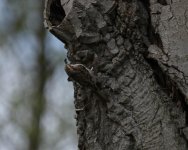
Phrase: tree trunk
(135, 97)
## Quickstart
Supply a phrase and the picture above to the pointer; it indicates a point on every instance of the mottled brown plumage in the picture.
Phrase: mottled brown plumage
(79, 73)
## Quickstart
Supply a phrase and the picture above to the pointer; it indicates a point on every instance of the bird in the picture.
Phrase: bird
(80, 74)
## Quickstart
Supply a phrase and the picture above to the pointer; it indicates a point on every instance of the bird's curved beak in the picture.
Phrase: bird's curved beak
(68, 68)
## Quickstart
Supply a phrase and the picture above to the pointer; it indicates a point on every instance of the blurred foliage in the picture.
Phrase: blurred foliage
(36, 111)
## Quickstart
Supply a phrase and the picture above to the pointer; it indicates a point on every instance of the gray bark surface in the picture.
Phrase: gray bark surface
(138, 99)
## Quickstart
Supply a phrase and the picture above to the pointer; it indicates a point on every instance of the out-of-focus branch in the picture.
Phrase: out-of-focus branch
(39, 101)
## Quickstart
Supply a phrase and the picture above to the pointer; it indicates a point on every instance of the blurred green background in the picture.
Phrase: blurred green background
(36, 100)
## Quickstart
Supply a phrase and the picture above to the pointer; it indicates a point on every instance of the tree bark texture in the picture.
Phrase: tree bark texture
(138, 50)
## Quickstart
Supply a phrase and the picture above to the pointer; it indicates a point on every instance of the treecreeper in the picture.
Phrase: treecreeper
(84, 77)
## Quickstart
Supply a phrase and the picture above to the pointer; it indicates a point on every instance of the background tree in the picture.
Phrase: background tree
(32, 82)
(135, 97)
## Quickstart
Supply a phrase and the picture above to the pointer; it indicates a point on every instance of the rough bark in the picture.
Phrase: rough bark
(138, 52)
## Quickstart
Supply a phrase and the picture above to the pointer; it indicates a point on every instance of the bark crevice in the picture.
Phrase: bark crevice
(57, 13)
(162, 2)
(169, 86)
